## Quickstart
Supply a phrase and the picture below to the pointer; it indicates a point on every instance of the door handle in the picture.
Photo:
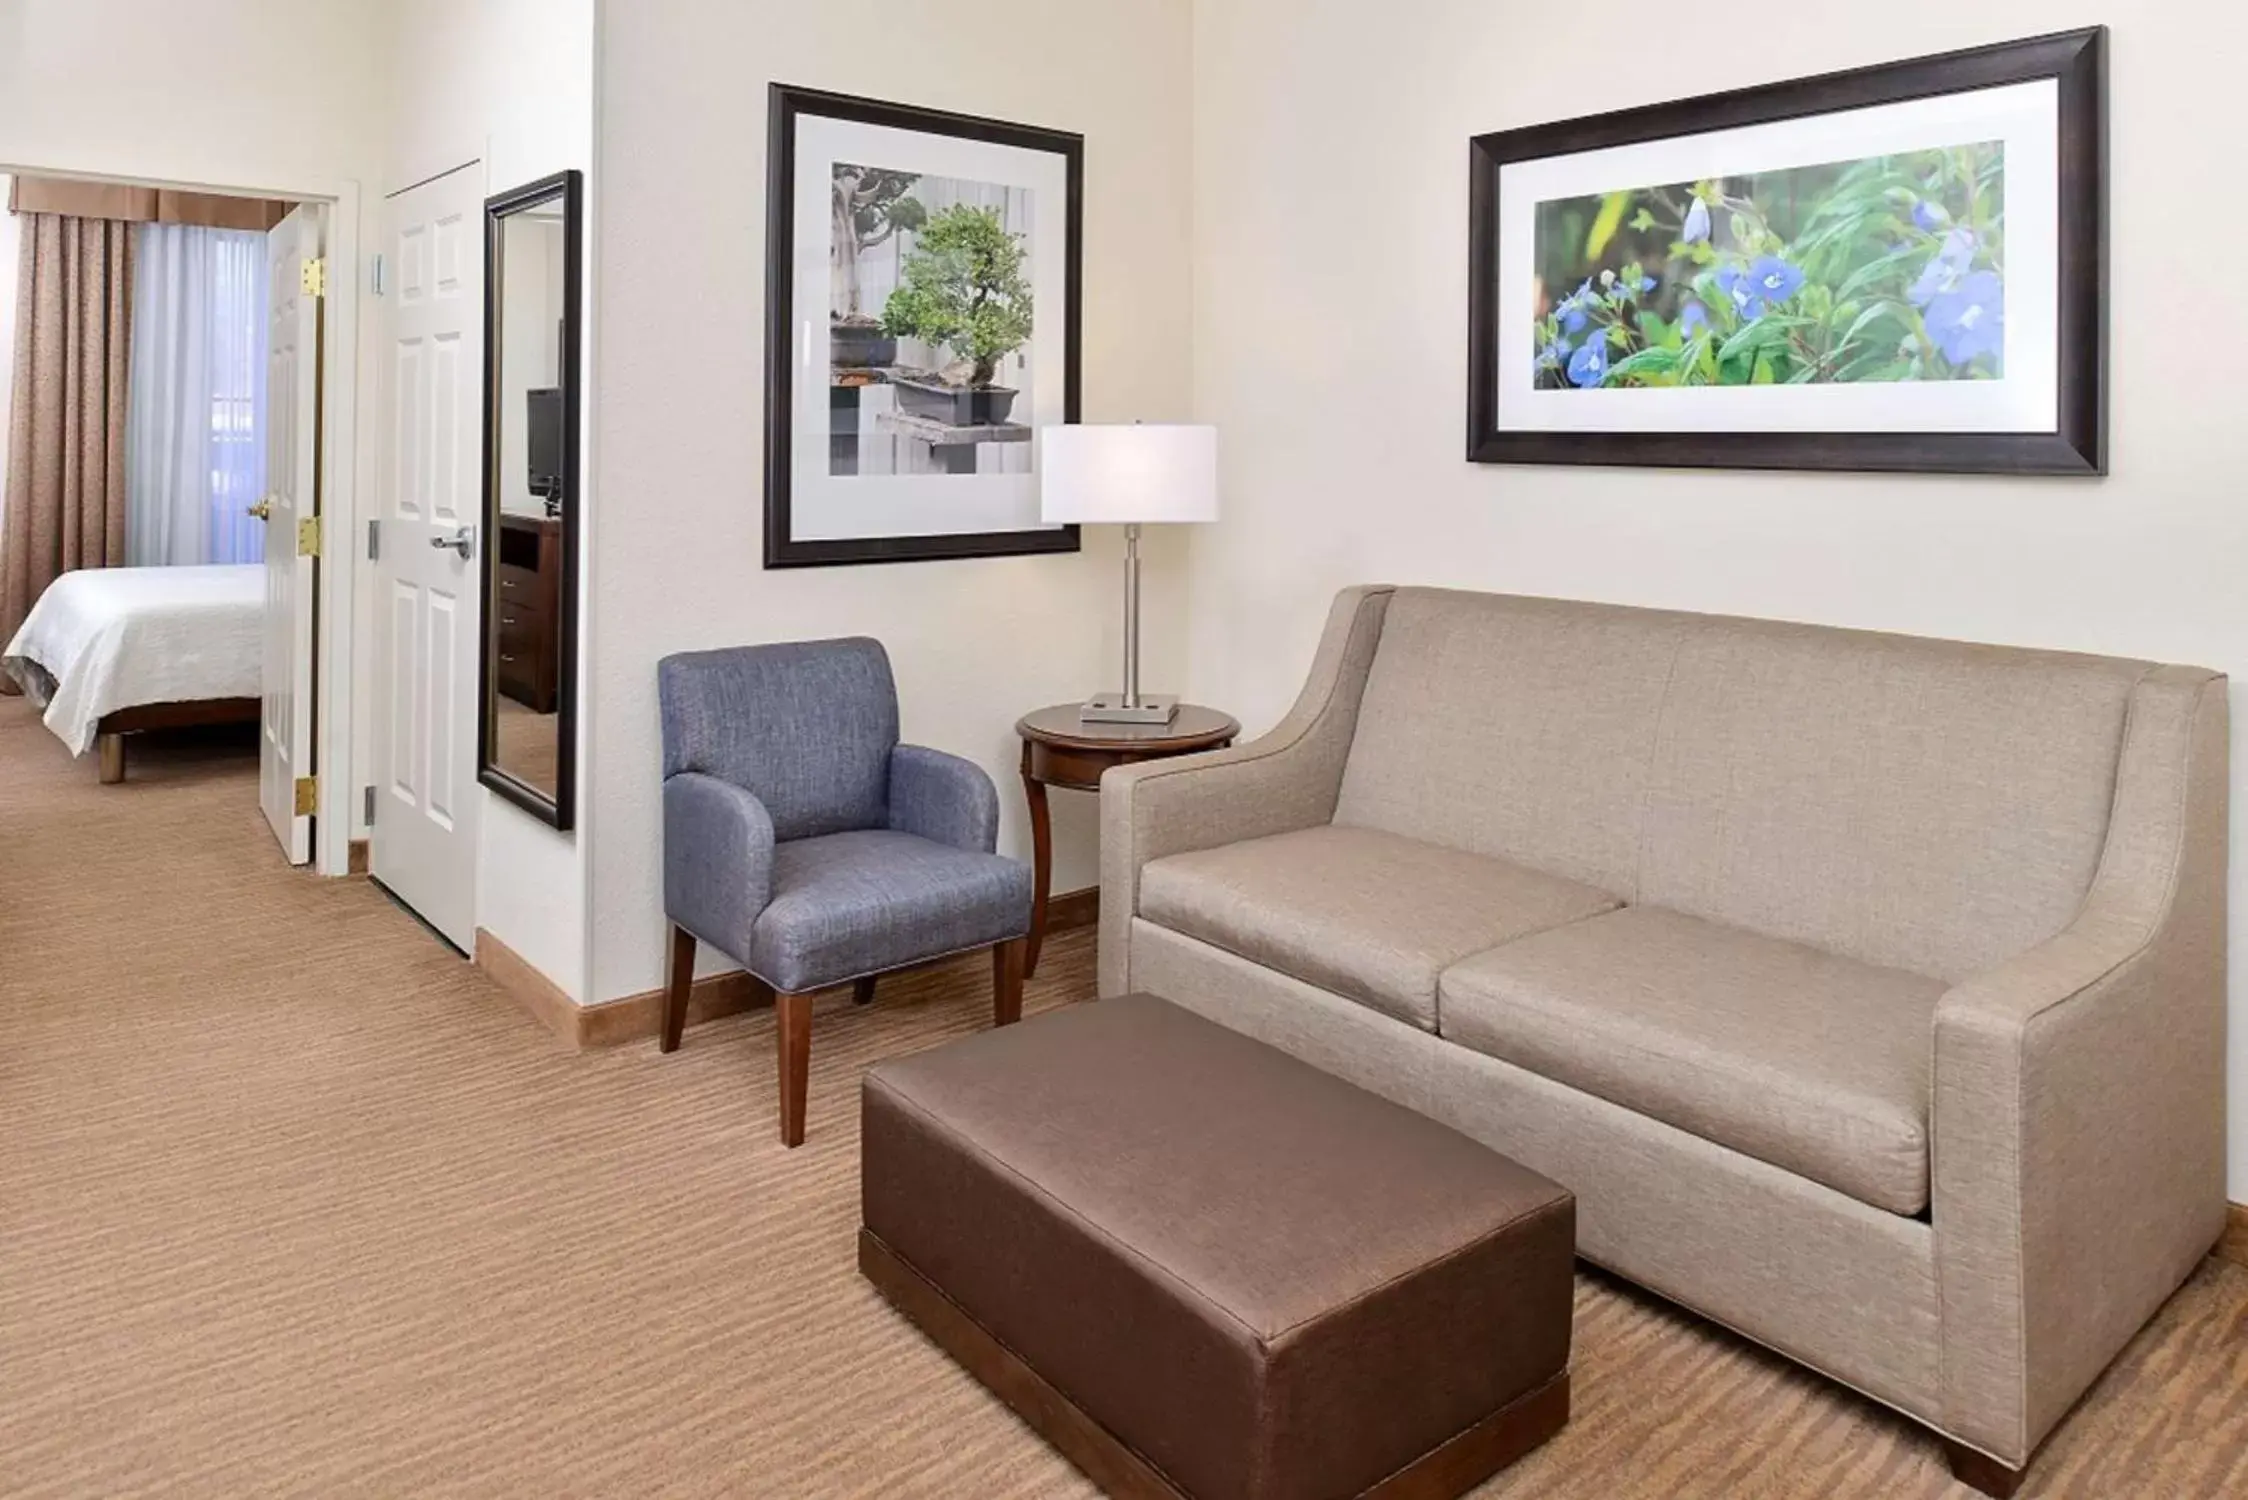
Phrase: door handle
(263, 510)
(462, 541)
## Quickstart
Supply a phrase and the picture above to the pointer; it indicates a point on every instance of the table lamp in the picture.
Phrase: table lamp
(1129, 476)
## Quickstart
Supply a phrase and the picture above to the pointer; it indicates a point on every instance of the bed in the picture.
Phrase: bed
(108, 652)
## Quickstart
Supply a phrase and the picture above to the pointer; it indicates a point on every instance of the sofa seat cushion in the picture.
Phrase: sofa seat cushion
(1814, 1063)
(1370, 915)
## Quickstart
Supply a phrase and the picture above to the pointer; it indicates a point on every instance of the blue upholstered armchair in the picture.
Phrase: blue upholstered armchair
(805, 843)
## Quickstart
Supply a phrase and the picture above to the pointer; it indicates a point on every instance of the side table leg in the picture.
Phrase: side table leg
(1041, 862)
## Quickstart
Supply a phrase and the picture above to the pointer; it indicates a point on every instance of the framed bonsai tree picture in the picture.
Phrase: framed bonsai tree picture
(923, 272)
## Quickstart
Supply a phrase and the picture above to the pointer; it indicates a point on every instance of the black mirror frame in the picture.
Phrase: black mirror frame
(560, 810)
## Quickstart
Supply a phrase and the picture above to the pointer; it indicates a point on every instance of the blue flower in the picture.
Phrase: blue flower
(1552, 355)
(1769, 280)
(1627, 287)
(1697, 223)
(1929, 215)
(1589, 365)
(1571, 312)
(1944, 268)
(1970, 318)
(1692, 317)
(1774, 279)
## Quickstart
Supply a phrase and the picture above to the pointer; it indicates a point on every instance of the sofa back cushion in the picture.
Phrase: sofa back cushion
(1519, 728)
(1920, 804)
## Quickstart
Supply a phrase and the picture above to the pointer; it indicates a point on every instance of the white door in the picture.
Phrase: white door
(292, 456)
(429, 500)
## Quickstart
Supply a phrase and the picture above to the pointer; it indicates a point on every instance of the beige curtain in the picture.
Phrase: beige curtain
(66, 440)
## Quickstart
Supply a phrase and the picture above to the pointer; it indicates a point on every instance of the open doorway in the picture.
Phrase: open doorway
(167, 378)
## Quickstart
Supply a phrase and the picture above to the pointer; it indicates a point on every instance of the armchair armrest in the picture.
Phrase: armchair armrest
(943, 798)
(717, 860)
(2078, 1105)
(1281, 781)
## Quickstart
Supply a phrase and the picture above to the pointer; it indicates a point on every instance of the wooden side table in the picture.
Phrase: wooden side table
(1059, 749)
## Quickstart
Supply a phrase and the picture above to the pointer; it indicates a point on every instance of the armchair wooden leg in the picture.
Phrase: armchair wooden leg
(862, 990)
(676, 992)
(1007, 962)
(112, 748)
(792, 1026)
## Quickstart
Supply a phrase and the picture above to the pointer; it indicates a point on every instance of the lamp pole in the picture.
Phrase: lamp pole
(1132, 614)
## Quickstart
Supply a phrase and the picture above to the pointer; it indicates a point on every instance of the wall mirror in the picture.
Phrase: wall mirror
(533, 278)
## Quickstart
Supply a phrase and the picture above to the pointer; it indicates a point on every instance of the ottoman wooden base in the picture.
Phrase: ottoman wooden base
(1442, 1473)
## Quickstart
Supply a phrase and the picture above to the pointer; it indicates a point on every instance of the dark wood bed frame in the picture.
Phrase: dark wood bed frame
(113, 727)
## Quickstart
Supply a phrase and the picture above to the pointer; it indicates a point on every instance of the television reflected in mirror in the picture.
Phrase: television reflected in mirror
(533, 239)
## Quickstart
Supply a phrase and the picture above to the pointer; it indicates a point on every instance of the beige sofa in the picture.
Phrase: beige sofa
(1868, 990)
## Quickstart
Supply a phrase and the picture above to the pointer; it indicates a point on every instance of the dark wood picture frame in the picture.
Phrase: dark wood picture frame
(2076, 60)
(560, 810)
(786, 103)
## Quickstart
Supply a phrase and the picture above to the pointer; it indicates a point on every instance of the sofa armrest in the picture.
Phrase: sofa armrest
(1281, 781)
(2079, 1098)
(944, 799)
(717, 860)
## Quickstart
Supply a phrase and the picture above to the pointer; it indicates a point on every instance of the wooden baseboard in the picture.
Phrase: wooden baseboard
(355, 856)
(615, 1021)
(528, 987)
(634, 1017)
(2233, 1244)
(1074, 909)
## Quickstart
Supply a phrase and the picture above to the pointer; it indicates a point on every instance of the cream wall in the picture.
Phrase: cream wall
(234, 93)
(10, 238)
(1330, 234)
(681, 241)
(508, 83)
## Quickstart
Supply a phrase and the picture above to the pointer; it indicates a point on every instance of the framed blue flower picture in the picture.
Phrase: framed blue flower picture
(1896, 268)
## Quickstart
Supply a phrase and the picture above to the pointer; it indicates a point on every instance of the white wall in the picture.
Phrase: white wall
(509, 82)
(1331, 224)
(681, 241)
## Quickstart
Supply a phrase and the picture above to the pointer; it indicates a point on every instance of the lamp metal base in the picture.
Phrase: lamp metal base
(1109, 708)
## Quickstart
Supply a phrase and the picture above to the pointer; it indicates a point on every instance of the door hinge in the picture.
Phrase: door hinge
(370, 799)
(308, 796)
(374, 541)
(308, 537)
(378, 276)
(313, 277)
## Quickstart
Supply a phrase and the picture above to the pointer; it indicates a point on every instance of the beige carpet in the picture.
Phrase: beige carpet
(292, 1202)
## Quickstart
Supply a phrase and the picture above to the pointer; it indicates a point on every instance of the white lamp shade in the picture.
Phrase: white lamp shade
(1144, 472)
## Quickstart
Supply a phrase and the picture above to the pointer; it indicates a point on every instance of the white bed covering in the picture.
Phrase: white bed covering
(117, 638)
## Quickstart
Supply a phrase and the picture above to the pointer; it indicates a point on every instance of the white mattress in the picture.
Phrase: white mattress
(115, 638)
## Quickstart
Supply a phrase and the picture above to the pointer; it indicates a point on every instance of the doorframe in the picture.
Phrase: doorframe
(334, 586)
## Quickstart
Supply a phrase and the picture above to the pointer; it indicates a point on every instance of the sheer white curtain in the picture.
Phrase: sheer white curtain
(195, 430)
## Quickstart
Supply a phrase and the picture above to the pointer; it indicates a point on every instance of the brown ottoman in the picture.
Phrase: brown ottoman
(1202, 1268)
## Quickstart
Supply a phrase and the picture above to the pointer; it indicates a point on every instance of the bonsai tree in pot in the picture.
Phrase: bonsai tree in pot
(869, 205)
(964, 287)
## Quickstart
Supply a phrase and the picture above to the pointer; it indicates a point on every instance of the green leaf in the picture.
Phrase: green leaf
(1770, 329)
(1864, 321)
(1763, 375)
(1606, 223)
(1643, 221)
(1872, 271)
(1645, 362)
